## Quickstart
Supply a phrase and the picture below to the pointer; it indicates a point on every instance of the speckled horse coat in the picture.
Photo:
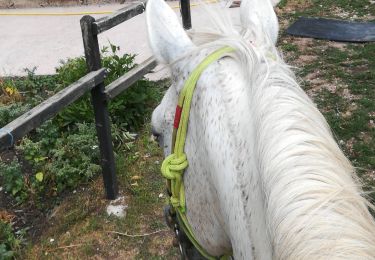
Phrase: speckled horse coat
(265, 177)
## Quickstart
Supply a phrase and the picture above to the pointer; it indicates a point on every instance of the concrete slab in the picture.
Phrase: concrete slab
(43, 41)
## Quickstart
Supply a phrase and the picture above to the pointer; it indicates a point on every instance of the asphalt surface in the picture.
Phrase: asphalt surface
(43, 41)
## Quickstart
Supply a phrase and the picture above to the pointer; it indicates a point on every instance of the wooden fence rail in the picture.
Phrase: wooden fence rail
(47, 109)
(122, 15)
(124, 82)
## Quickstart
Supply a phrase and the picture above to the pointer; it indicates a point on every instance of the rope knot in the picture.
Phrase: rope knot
(173, 166)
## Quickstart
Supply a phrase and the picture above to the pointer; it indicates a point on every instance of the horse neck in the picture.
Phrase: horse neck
(314, 208)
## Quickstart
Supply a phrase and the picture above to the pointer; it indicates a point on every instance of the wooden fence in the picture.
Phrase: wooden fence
(93, 82)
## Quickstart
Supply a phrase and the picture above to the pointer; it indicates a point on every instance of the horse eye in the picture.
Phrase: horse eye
(155, 133)
(155, 136)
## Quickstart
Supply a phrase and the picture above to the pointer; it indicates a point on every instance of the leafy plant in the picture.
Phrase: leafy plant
(11, 111)
(13, 180)
(61, 160)
(71, 70)
(122, 139)
(128, 109)
(64, 152)
(116, 65)
(9, 92)
(5, 253)
(35, 88)
(8, 241)
(75, 158)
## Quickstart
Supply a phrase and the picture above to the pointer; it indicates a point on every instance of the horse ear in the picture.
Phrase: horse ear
(260, 13)
(167, 38)
(275, 2)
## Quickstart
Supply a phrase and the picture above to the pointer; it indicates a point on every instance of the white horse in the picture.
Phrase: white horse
(266, 178)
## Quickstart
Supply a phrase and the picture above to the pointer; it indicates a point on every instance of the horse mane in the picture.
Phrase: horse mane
(314, 203)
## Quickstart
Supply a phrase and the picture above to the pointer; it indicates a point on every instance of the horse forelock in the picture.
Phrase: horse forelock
(314, 206)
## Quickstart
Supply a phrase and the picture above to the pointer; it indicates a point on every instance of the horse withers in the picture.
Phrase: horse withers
(265, 177)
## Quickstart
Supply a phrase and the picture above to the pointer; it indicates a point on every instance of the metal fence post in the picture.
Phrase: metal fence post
(185, 13)
(100, 104)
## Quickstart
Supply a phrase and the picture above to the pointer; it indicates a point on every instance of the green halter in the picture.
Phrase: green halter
(174, 165)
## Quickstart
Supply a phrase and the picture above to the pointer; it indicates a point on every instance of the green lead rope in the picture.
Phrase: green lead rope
(174, 165)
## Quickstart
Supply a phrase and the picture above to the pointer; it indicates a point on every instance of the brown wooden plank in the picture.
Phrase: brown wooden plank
(124, 82)
(106, 23)
(47, 109)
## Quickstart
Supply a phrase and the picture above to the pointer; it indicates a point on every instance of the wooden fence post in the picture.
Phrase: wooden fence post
(185, 13)
(100, 104)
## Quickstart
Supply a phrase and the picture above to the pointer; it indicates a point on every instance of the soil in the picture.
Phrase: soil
(10, 4)
(25, 217)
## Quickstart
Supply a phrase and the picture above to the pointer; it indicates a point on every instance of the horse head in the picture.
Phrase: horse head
(170, 42)
(266, 178)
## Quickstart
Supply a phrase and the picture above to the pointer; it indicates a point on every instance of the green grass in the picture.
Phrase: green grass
(289, 47)
(349, 109)
(356, 9)
(342, 65)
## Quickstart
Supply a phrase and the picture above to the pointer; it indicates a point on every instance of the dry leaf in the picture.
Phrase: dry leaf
(135, 178)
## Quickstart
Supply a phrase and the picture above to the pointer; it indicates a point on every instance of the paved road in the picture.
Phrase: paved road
(42, 41)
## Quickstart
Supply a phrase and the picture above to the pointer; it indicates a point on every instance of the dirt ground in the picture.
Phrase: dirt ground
(49, 3)
(25, 216)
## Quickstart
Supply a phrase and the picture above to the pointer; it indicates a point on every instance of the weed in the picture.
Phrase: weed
(128, 109)
(34, 88)
(61, 161)
(289, 47)
(12, 111)
(122, 139)
(116, 65)
(63, 153)
(9, 93)
(13, 180)
(70, 71)
(9, 242)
